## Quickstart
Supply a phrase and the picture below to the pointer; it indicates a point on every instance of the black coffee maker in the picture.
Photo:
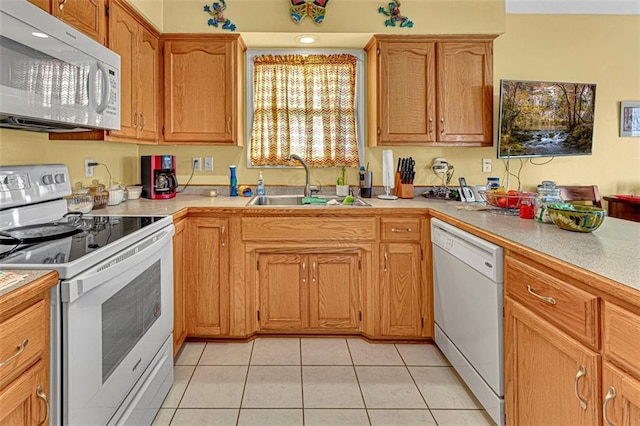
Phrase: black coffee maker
(158, 175)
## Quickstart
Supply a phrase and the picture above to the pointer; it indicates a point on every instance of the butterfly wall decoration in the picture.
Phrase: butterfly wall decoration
(315, 9)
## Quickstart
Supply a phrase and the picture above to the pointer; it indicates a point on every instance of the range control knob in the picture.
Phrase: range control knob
(47, 179)
(60, 178)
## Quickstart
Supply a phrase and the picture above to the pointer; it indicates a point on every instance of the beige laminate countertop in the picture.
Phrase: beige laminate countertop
(30, 277)
(612, 251)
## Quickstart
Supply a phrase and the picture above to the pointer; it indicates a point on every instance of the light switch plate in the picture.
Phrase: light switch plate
(208, 164)
(486, 165)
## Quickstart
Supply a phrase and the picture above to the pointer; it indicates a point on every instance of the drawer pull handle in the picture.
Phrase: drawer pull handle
(61, 4)
(313, 271)
(401, 229)
(23, 345)
(222, 231)
(304, 272)
(43, 396)
(581, 373)
(386, 258)
(611, 394)
(549, 300)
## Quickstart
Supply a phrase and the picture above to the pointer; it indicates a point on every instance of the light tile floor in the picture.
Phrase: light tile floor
(317, 381)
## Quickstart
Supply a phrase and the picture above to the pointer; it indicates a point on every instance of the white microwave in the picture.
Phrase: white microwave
(53, 78)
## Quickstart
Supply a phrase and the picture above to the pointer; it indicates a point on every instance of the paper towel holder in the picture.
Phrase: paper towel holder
(388, 175)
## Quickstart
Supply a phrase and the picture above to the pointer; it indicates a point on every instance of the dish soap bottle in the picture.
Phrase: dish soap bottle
(233, 182)
(260, 190)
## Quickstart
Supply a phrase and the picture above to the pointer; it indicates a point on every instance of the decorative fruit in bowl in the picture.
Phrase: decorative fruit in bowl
(576, 217)
(508, 200)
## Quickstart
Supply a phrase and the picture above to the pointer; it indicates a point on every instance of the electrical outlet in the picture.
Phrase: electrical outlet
(197, 164)
(486, 165)
(208, 164)
(88, 170)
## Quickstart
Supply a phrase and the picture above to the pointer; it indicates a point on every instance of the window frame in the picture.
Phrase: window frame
(359, 106)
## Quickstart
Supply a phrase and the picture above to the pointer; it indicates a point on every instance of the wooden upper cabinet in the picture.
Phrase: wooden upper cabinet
(427, 90)
(407, 92)
(138, 47)
(203, 89)
(42, 4)
(87, 16)
(465, 93)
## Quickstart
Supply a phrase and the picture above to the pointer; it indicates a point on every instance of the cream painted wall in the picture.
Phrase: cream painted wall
(153, 10)
(604, 49)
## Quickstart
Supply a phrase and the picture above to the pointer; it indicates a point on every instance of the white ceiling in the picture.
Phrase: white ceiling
(595, 7)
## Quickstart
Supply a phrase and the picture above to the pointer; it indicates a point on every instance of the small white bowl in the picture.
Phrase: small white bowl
(134, 192)
(115, 196)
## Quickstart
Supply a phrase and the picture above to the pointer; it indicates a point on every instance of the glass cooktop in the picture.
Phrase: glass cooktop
(95, 233)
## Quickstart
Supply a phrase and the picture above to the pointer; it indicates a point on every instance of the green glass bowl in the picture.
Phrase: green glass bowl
(576, 217)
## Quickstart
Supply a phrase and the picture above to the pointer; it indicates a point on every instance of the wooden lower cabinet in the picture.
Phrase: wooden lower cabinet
(179, 254)
(25, 401)
(400, 290)
(620, 396)
(206, 277)
(303, 292)
(550, 378)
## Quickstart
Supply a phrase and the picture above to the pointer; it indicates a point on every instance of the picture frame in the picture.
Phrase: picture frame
(629, 118)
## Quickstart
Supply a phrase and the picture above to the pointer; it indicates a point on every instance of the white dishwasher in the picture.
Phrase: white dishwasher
(467, 276)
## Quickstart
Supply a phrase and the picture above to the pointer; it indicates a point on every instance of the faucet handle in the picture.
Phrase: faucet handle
(315, 189)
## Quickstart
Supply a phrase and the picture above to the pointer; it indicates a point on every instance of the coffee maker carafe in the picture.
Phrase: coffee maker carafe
(158, 174)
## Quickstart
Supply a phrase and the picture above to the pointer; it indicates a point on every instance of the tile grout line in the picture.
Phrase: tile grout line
(301, 381)
(246, 378)
(353, 365)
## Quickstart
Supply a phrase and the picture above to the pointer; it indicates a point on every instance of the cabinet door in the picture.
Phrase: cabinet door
(620, 396)
(123, 39)
(25, 401)
(465, 93)
(42, 4)
(406, 102)
(334, 301)
(206, 277)
(400, 292)
(148, 84)
(179, 324)
(549, 376)
(198, 78)
(87, 16)
(283, 291)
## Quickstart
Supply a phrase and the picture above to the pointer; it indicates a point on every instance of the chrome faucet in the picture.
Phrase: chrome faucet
(307, 185)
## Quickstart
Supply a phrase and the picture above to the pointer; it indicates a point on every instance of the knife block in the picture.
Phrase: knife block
(402, 190)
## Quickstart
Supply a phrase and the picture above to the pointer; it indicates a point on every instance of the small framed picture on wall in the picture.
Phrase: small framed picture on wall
(630, 118)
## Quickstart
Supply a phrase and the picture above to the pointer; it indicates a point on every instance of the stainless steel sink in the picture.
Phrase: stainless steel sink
(276, 200)
(296, 200)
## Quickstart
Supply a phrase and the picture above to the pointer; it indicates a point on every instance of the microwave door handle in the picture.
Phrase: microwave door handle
(107, 92)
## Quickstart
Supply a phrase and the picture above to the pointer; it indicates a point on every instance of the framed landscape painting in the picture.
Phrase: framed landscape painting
(630, 118)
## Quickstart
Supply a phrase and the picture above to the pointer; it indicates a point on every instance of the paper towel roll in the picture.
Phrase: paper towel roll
(388, 172)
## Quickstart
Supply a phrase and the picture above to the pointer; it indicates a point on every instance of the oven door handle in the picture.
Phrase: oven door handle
(115, 265)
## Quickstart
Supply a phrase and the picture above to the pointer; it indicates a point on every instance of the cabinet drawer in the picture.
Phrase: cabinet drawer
(405, 230)
(27, 326)
(621, 337)
(308, 229)
(573, 310)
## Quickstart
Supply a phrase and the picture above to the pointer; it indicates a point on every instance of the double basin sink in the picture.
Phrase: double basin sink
(296, 200)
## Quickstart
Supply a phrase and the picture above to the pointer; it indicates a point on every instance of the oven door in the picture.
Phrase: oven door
(115, 318)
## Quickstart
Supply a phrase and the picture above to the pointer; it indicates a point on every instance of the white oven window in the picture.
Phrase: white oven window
(127, 315)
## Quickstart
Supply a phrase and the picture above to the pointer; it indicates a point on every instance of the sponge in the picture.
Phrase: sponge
(314, 200)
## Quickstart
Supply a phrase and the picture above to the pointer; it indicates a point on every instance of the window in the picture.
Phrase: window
(310, 105)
